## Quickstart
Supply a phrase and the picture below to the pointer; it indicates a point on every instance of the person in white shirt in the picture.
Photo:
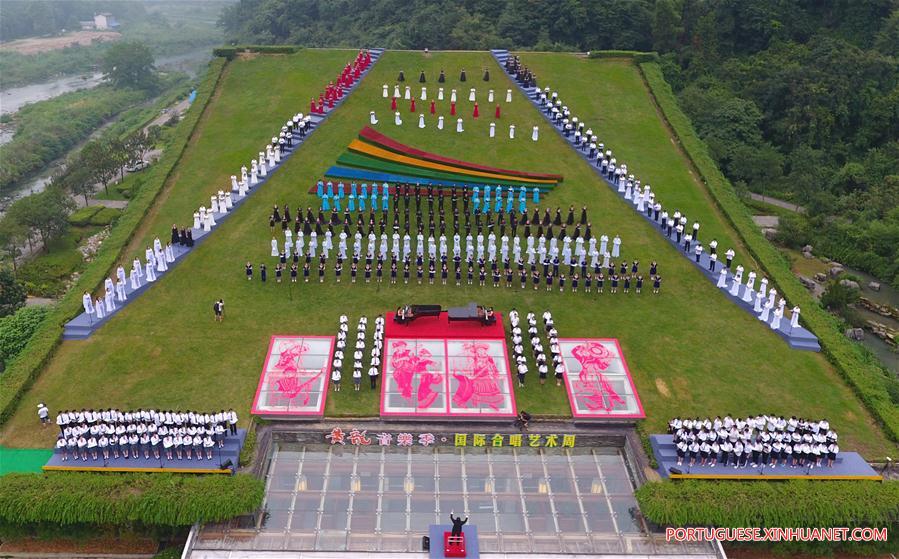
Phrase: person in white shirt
(62, 446)
(198, 446)
(178, 444)
(232, 421)
(167, 444)
(208, 444)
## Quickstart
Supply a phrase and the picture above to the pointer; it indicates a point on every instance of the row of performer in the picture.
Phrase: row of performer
(156, 261)
(536, 248)
(92, 434)
(480, 271)
(409, 95)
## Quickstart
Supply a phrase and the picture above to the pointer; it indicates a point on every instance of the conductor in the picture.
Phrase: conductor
(457, 525)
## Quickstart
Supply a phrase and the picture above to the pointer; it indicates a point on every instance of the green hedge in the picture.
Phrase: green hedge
(793, 503)
(24, 369)
(638, 56)
(16, 329)
(862, 371)
(152, 499)
(230, 52)
(225, 52)
(105, 216)
(776, 504)
(82, 216)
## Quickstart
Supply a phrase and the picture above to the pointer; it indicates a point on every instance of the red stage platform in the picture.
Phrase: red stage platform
(453, 547)
(434, 367)
(439, 327)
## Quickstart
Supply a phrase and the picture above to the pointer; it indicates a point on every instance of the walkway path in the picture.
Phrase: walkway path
(789, 206)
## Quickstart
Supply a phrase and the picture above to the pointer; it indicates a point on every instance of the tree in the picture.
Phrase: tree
(666, 26)
(12, 293)
(45, 213)
(78, 181)
(837, 297)
(12, 234)
(97, 157)
(130, 64)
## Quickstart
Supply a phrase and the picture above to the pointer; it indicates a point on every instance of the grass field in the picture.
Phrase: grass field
(690, 351)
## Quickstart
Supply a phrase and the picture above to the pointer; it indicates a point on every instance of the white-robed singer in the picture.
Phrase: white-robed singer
(135, 266)
(778, 315)
(151, 274)
(88, 303)
(135, 279)
(440, 122)
(161, 265)
(794, 320)
(722, 279)
(750, 285)
(459, 125)
(109, 300)
(120, 291)
(535, 133)
(508, 96)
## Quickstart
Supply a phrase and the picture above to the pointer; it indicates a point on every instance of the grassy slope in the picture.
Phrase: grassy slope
(689, 350)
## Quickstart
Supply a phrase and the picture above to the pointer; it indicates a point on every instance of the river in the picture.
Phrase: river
(11, 100)
(14, 98)
(886, 296)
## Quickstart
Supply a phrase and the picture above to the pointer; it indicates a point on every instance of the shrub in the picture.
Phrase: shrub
(105, 216)
(82, 216)
(22, 372)
(227, 53)
(863, 375)
(17, 329)
(638, 56)
(155, 499)
(249, 445)
(769, 504)
(12, 293)
(272, 49)
(837, 296)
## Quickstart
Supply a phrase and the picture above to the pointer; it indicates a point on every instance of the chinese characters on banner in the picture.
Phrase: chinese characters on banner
(355, 437)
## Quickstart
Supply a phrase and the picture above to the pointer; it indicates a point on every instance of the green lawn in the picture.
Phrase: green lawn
(690, 351)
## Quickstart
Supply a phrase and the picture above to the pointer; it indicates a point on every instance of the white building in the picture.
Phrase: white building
(105, 20)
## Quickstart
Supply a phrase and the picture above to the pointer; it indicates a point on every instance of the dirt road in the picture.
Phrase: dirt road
(34, 45)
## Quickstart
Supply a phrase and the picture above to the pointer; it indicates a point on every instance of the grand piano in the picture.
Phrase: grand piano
(470, 313)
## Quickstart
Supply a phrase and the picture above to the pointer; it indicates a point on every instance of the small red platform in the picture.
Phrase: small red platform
(439, 327)
(454, 546)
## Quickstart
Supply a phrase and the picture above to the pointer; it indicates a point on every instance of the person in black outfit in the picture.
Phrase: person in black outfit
(457, 525)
